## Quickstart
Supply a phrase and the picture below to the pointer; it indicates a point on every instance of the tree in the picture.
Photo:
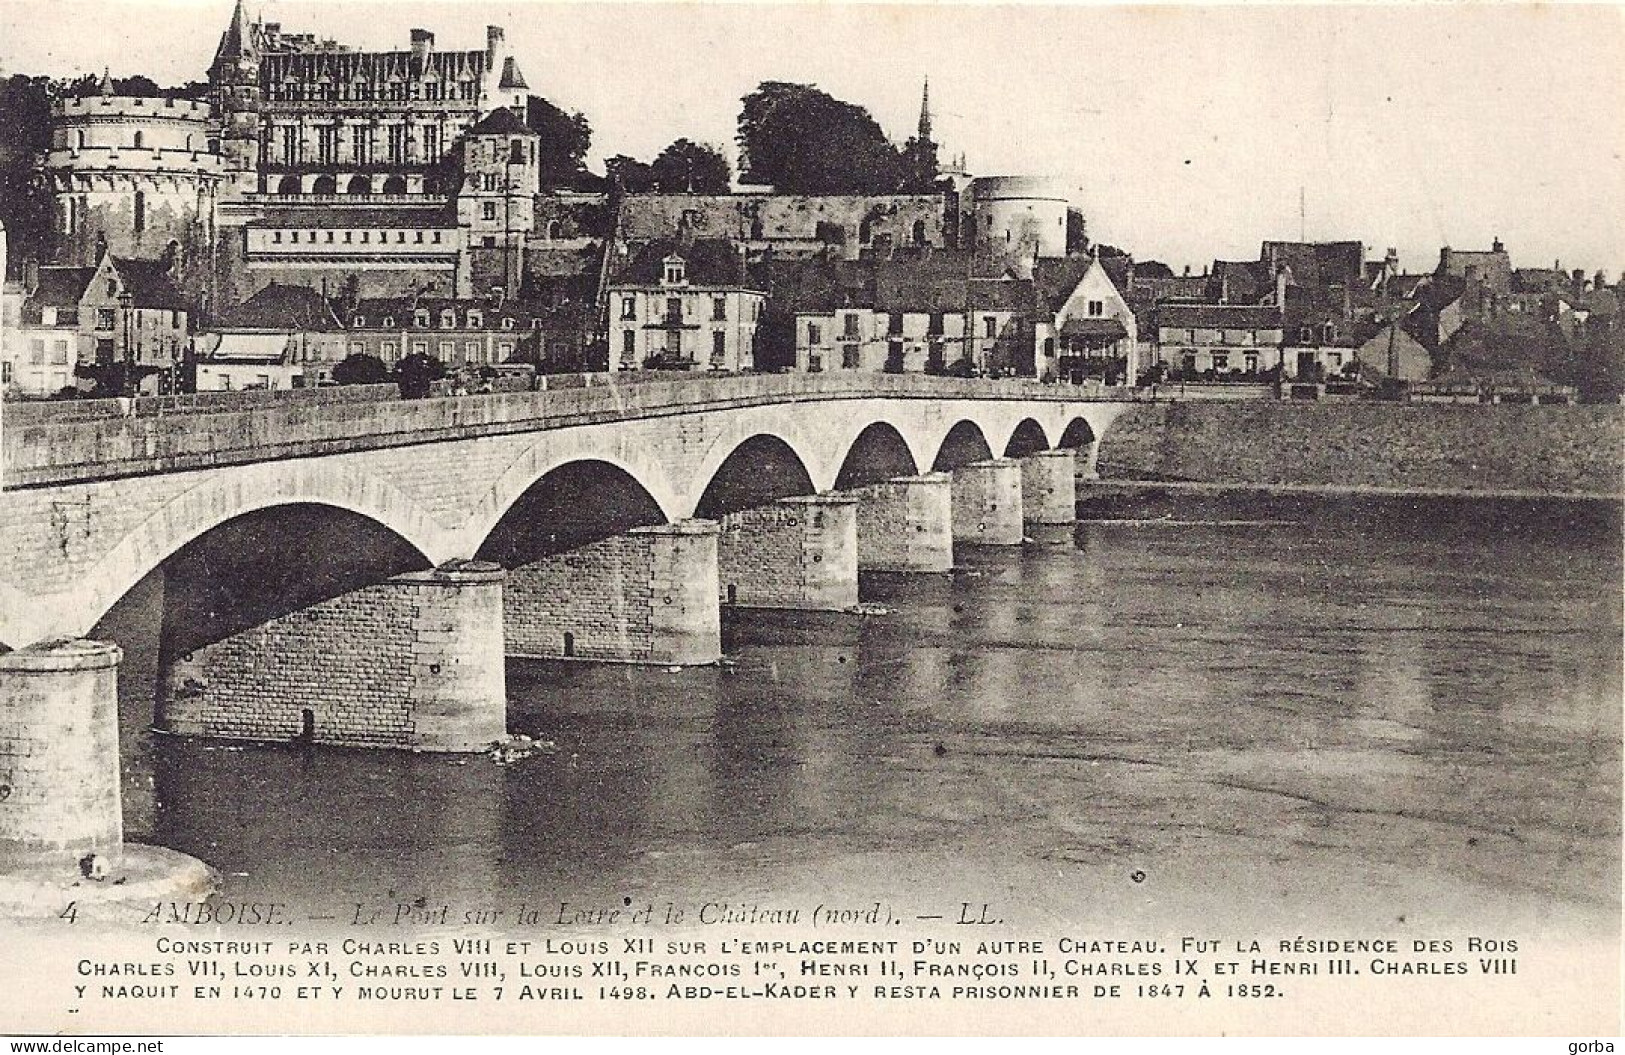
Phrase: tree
(803, 141)
(920, 167)
(359, 369)
(417, 373)
(687, 166)
(628, 175)
(25, 201)
(1077, 232)
(565, 141)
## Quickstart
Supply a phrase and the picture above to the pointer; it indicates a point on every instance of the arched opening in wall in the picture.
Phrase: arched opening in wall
(324, 185)
(238, 575)
(139, 207)
(964, 444)
(879, 453)
(1077, 434)
(288, 185)
(359, 185)
(395, 185)
(140, 140)
(569, 507)
(1028, 438)
(759, 471)
(555, 230)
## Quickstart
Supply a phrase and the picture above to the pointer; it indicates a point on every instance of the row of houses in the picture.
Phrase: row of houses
(1301, 312)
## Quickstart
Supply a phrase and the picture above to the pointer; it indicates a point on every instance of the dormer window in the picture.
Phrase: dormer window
(448, 319)
(359, 320)
(507, 323)
(389, 320)
(420, 317)
(674, 271)
(1331, 332)
(476, 319)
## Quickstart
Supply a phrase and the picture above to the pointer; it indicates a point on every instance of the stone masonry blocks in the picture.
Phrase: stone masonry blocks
(905, 524)
(59, 758)
(800, 552)
(646, 596)
(1049, 487)
(987, 503)
(415, 662)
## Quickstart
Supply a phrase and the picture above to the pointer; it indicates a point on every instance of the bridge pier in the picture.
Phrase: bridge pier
(647, 596)
(1049, 487)
(59, 760)
(415, 662)
(800, 552)
(987, 503)
(906, 524)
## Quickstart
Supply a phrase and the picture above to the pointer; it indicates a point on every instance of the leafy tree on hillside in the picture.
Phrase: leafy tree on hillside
(25, 202)
(693, 167)
(804, 141)
(566, 139)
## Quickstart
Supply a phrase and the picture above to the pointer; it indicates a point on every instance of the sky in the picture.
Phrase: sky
(1188, 133)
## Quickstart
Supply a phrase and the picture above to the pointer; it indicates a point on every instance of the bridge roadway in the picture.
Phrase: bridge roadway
(354, 569)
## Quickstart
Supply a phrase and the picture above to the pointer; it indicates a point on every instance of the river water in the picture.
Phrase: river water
(1224, 710)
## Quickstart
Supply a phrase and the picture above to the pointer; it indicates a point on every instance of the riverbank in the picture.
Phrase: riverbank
(1371, 448)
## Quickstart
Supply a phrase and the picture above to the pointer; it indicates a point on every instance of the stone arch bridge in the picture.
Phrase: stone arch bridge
(347, 568)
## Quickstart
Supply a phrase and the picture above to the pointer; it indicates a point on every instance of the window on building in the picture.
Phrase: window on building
(431, 142)
(629, 307)
(140, 141)
(1097, 308)
(59, 352)
(357, 348)
(505, 350)
(990, 326)
(476, 318)
(389, 320)
(674, 308)
(849, 323)
(36, 352)
(488, 210)
(420, 317)
(719, 309)
(1331, 332)
(448, 319)
(1305, 334)
(675, 271)
(105, 319)
(507, 322)
(327, 144)
(1335, 359)
(471, 351)
(850, 358)
(140, 211)
(386, 350)
(719, 347)
(397, 142)
(629, 345)
(1221, 361)
(815, 333)
(1250, 361)
(1187, 362)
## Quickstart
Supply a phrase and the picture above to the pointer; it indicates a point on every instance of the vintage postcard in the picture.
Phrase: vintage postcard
(697, 518)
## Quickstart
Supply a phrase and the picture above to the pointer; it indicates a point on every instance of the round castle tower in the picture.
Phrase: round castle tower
(133, 175)
(1023, 217)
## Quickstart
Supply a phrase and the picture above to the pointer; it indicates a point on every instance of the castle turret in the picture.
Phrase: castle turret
(496, 202)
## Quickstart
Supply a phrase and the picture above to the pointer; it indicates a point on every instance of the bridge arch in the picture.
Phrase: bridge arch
(556, 449)
(1078, 433)
(962, 444)
(572, 504)
(224, 498)
(1026, 438)
(806, 439)
(878, 452)
(760, 469)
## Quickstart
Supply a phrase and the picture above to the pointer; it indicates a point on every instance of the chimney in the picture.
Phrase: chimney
(493, 43)
(1392, 260)
(1496, 246)
(422, 45)
(1283, 277)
